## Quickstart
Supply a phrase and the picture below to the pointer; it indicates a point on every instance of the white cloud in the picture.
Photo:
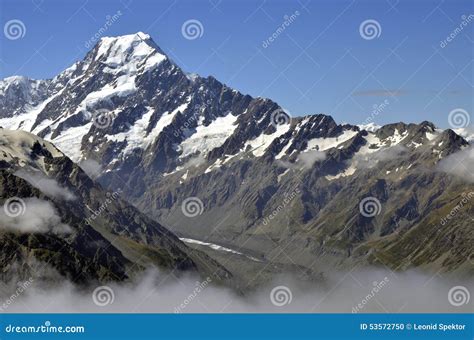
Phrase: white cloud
(304, 161)
(35, 216)
(460, 164)
(369, 160)
(408, 292)
(47, 185)
(308, 158)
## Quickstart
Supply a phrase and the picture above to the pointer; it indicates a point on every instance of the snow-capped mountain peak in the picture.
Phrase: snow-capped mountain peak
(128, 103)
(121, 54)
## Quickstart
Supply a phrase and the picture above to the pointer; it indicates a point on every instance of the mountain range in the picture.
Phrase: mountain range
(219, 182)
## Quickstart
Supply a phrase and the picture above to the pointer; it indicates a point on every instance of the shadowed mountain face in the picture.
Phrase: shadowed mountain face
(56, 220)
(299, 192)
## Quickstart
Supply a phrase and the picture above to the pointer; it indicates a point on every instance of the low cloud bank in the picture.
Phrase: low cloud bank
(357, 291)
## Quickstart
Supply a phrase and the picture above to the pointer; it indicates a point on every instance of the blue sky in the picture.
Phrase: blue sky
(320, 62)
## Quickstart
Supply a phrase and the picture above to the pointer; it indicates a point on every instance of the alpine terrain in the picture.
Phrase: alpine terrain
(250, 191)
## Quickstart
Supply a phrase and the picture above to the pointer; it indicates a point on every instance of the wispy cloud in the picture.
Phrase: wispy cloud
(459, 164)
(48, 186)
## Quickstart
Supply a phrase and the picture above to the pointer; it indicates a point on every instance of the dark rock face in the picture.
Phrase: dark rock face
(266, 181)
